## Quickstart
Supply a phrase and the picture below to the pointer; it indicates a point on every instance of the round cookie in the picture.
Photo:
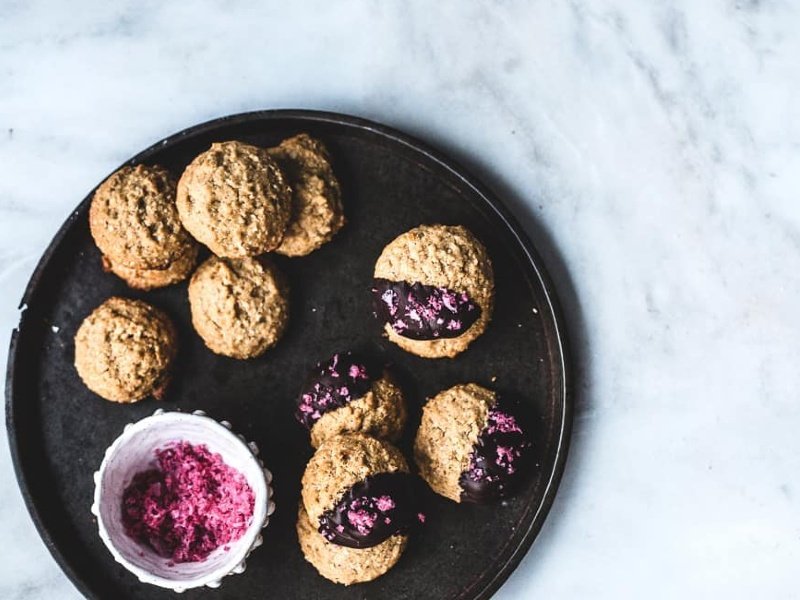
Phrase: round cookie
(134, 221)
(340, 463)
(351, 393)
(434, 290)
(148, 279)
(317, 212)
(467, 448)
(124, 350)
(344, 565)
(239, 306)
(234, 199)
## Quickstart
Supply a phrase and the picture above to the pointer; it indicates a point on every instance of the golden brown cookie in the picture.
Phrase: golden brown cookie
(124, 350)
(434, 290)
(467, 447)
(317, 212)
(234, 199)
(351, 393)
(340, 463)
(134, 221)
(344, 565)
(148, 279)
(239, 306)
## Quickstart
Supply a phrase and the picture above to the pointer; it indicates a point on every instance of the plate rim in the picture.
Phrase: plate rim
(443, 160)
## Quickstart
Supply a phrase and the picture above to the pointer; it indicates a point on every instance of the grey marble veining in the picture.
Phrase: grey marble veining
(652, 149)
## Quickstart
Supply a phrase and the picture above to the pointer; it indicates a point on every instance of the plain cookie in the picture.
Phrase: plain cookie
(134, 221)
(234, 199)
(148, 279)
(239, 306)
(124, 350)
(317, 212)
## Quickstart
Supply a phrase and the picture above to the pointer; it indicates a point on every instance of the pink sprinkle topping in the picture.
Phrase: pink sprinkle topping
(421, 517)
(502, 422)
(188, 506)
(362, 520)
(385, 503)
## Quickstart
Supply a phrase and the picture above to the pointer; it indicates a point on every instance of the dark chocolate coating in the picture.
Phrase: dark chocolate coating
(373, 510)
(497, 460)
(344, 377)
(423, 312)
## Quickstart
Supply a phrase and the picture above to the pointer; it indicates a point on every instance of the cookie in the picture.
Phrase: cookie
(344, 565)
(468, 448)
(234, 199)
(239, 306)
(148, 279)
(317, 212)
(433, 290)
(358, 491)
(124, 350)
(351, 393)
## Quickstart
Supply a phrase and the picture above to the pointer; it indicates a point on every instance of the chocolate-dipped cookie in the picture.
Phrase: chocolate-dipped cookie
(433, 290)
(351, 393)
(468, 447)
(358, 491)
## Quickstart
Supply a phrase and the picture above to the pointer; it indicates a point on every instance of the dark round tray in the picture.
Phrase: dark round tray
(58, 430)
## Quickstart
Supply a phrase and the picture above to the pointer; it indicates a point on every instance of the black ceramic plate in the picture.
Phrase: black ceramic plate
(58, 430)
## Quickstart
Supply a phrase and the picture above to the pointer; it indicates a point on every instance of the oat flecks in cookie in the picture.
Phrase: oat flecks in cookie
(148, 279)
(440, 256)
(351, 393)
(317, 212)
(124, 350)
(234, 199)
(344, 565)
(451, 423)
(341, 462)
(134, 220)
(239, 307)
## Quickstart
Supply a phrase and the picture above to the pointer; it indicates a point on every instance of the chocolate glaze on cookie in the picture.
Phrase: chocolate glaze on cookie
(423, 312)
(373, 510)
(344, 377)
(496, 460)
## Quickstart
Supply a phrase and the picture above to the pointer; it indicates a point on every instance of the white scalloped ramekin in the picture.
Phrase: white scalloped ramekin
(134, 451)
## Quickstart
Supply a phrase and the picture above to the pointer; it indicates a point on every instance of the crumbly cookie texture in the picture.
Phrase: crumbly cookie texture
(317, 212)
(381, 413)
(443, 256)
(341, 462)
(148, 279)
(234, 199)
(239, 306)
(344, 565)
(134, 220)
(124, 350)
(451, 423)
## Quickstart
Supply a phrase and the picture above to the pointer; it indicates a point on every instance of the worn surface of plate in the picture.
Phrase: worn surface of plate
(58, 430)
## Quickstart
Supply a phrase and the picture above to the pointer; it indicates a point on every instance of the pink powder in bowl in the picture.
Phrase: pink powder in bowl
(189, 505)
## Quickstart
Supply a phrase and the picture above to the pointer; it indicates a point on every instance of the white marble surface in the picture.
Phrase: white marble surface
(651, 148)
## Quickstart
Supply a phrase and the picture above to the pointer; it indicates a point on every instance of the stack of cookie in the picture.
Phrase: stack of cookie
(238, 200)
(359, 500)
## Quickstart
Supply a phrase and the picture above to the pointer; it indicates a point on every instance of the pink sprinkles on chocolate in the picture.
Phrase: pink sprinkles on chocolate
(188, 506)
(423, 312)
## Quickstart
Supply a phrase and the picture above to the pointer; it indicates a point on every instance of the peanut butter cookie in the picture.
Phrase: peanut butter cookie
(134, 220)
(351, 393)
(234, 199)
(317, 212)
(344, 565)
(467, 448)
(124, 350)
(434, 290)
(239, 306)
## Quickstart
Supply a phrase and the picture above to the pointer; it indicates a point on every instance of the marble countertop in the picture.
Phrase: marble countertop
(652, 150)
